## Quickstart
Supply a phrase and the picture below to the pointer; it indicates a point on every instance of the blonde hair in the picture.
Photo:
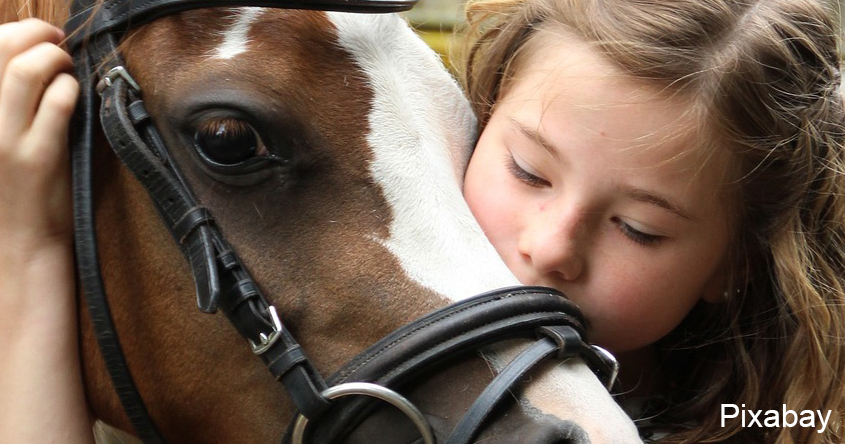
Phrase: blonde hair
(764, 76)
(52, 11)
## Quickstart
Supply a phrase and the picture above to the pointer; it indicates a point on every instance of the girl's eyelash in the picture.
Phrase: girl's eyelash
(522, 175)
(636, 235)
(630, 232)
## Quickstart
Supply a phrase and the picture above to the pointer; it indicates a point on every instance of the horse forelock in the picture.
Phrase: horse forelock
(421, 133)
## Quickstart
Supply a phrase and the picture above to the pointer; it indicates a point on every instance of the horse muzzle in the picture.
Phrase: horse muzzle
(542, 315)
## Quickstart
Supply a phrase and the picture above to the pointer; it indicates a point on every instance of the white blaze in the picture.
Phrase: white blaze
(421, 134)
(236, 37)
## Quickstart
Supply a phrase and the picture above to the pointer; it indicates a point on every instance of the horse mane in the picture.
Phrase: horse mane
(52, 11)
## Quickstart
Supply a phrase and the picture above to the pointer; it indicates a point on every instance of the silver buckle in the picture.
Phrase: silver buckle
(614, 365)
(267, 341)
(117, 71)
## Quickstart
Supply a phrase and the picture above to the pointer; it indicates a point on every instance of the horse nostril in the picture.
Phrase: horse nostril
(555, 431)
(522, 428)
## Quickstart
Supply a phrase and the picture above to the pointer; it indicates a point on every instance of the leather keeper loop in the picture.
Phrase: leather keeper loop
(569, 342)
(186, 225)
(138, 112)
(282, 364)
(243, 291)
(228, 259)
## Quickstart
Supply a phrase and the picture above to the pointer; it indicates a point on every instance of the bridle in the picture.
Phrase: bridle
(222, 281)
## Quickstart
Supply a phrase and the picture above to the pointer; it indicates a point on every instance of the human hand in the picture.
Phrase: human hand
(37, 98)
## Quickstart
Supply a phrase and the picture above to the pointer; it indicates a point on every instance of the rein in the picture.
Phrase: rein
(223, 282)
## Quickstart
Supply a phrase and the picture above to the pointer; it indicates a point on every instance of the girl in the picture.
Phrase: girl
(677, 169)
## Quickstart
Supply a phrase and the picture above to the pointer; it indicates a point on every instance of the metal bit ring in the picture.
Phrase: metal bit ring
(374, 391)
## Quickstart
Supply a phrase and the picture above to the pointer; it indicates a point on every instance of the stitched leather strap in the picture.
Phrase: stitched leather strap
(190, 221)
(465, 325)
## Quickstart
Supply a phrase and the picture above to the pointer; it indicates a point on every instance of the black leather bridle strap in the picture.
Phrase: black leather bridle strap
(570, 346)
(493, 393)
(483, 319)
(190, 227)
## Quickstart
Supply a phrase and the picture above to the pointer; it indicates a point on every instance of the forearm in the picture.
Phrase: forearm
(40, 382)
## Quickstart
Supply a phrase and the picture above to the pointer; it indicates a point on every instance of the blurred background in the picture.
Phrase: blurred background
(436, 20)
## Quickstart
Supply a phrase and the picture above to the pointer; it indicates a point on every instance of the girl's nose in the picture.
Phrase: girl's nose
(553, 242)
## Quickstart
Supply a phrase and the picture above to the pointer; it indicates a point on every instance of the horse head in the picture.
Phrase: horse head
(330, 149)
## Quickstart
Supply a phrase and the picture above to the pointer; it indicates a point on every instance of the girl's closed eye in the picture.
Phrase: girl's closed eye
(524, 173)
(636, 234)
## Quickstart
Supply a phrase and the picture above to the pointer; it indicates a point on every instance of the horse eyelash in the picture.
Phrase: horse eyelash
(213, 126)
(236, 127)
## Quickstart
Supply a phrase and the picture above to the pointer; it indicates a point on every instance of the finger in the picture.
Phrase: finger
(41, 162)
(23, 84)
(48, 135)
(16, 37)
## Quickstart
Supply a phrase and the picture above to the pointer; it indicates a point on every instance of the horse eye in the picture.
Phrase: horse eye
(228, 141)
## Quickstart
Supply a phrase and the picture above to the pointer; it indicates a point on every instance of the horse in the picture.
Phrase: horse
(330, 148)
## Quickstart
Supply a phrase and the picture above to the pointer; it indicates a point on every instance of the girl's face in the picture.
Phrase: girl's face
(586, 180)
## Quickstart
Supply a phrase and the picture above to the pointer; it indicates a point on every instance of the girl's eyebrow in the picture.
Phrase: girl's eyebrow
(535, 135)
(646, 196)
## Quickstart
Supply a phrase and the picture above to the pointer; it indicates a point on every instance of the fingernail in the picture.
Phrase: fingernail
(60, 31)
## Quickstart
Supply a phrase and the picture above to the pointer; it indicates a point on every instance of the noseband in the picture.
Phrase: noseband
(223, 282)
